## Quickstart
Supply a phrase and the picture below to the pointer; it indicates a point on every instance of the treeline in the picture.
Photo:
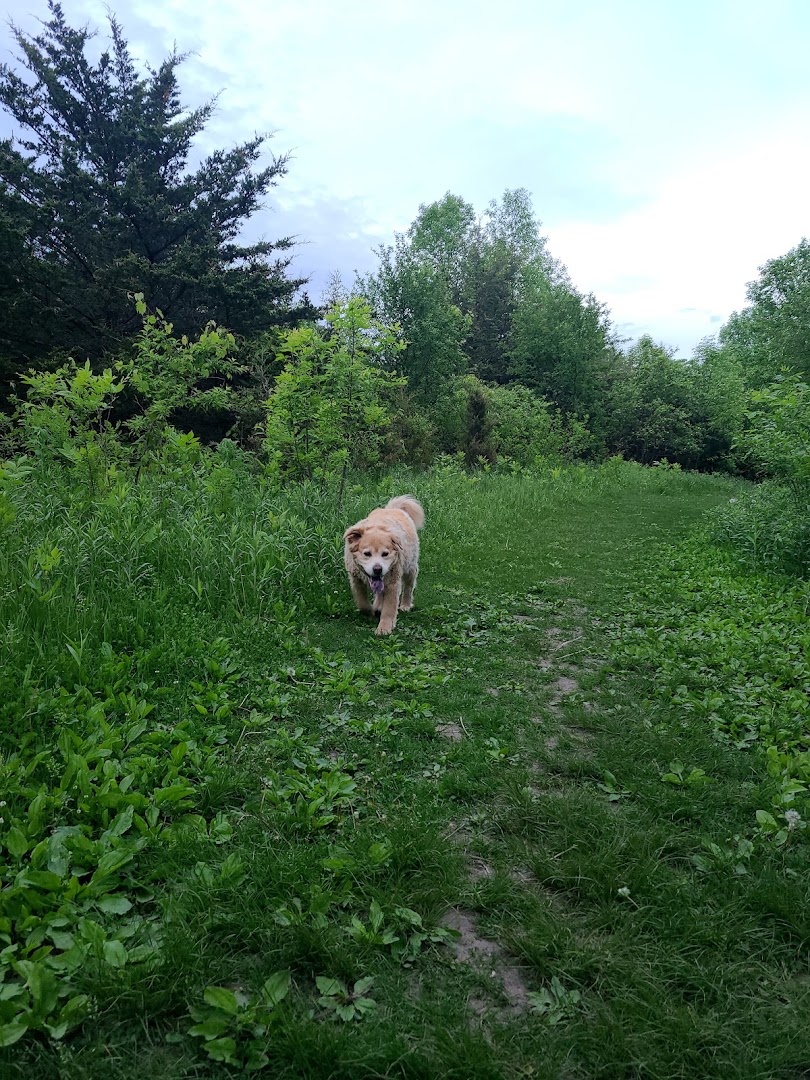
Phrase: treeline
(469, 338)
(480, 296)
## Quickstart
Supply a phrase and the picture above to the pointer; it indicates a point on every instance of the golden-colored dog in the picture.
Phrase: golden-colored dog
(381, 553)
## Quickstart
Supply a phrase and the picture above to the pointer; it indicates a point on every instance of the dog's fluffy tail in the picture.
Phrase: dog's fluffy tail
(411, 507)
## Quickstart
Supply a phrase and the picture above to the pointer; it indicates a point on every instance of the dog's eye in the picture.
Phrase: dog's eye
(366, 554)
(385, 554)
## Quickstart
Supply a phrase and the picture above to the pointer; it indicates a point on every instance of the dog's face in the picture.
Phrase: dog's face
(374, 550)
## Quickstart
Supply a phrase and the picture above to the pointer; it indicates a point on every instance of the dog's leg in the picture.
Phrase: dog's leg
(388, 611)
(360, 595)
(408, 585)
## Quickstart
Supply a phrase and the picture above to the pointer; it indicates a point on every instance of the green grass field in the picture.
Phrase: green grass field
(517, 839)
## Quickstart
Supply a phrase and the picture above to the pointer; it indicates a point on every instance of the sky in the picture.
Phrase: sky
(665, 143)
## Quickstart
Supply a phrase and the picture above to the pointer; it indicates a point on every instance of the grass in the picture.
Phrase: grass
(484, 815)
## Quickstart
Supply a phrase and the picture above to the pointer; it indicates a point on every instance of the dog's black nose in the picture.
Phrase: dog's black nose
(376, 571)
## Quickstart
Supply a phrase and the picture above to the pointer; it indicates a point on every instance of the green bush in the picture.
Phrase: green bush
(765, 529)
(501, 422)
(327, 412)
(524, 427)
(778, 433)
(73, 416)
(770, 526)
(412, 437)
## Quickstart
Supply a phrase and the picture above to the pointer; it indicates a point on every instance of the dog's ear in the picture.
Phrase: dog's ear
(353, 535)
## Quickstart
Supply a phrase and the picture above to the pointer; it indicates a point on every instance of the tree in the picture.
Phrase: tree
(772, 333)
(409, 289)
(659, 407)
(509, 250)
(479, 446)
(492, 275)
(561, 344)
(721, 398)
(780, 308)
(328, 412)
(98, 203)
(452, 281)
(512, 223)
(445, 234)
(778, 433)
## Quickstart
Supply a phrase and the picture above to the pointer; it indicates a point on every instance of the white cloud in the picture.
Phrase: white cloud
(644, 131)
(672, 266)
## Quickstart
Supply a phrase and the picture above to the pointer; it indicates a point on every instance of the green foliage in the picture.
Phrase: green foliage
(346, 1004)
(678, 774)
(486, 297)
(99, 200)
(443, 235)
(478, 444)
(778, 433)
(66, 418)
(235, 1026)
(769, 337)
(560, 343)
(775, 325)
(509, 423)
(771, 526)
(728, 650)
(412, 438)
(69, 415)
(327, 412)
(555, 1004)
(85, 793)
(165, 375)
(654, 408)
(414, 291)
(765, 528)
(525, 429)
(310, 793)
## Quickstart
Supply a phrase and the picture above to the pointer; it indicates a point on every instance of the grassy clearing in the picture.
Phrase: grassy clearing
(250, 834)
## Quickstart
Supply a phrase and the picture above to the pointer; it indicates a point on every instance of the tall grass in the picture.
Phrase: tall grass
(127, 565)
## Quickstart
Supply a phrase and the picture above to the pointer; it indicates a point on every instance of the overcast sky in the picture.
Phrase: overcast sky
(665, 143)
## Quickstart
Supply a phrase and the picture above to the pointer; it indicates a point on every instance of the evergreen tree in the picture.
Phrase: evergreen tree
(97, 202)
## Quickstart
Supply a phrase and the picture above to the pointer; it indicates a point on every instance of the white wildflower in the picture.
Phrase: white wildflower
(792, 817)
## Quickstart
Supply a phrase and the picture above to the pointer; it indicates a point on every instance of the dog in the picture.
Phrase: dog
(381, 553)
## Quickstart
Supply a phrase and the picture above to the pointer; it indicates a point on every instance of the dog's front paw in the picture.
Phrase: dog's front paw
(385, 627)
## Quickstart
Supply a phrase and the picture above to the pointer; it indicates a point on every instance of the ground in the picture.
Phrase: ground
(473, 816)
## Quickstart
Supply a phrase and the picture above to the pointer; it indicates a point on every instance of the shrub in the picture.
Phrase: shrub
(765, 528)
(778, 433)
(327, 411)
(771, 526)
(524, 427)
(68, 415)
(490, 422)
